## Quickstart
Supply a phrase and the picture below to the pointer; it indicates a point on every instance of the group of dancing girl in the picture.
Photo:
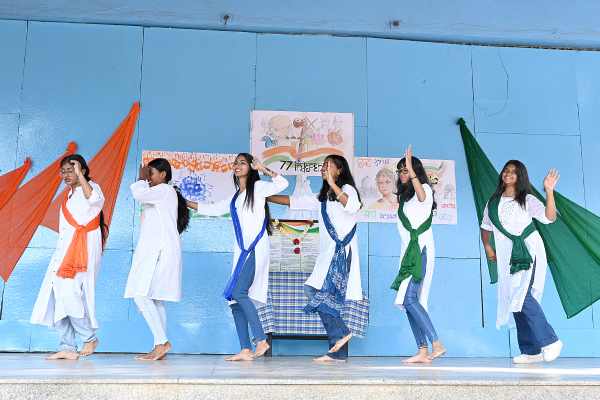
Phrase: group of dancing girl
(66, 300)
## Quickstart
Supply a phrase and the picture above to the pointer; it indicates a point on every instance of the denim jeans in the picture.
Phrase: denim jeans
(418, 318)
(334, 326)
(244, 312)
(533, 330)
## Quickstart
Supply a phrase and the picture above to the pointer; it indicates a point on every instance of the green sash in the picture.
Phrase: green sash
(412, 263)
(520, 258)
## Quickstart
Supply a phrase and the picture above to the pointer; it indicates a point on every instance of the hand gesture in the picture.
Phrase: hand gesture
(329, 176)
(144, 173)
(408, 159)
(257, 165)
(77, 168)
(551, 180)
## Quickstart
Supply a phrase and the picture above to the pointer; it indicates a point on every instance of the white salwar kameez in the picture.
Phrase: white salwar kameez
(156, 266)
(251, 221)
(61, 297)
(512, 289)
(417, 212)
(343, 219)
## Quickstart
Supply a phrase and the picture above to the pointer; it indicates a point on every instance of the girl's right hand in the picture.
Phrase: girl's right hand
(408, 159)
(490, 253)
(144, 173)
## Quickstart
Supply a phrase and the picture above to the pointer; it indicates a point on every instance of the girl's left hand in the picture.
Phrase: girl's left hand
(551, 180)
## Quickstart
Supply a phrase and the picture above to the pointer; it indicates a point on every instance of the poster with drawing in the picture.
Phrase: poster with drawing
(376, 180)
(201, 177)
(296, 143)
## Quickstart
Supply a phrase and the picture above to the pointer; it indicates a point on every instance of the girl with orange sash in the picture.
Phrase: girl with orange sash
(66, 300)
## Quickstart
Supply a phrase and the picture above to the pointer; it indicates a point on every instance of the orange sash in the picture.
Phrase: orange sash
(76, 258)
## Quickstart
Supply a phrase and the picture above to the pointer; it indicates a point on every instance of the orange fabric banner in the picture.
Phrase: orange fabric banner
(106, 169)
(10, 181)
(76, 258)
(21, 215)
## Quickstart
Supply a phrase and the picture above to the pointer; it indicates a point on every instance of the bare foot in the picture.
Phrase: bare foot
(89, 348)
(421, 357)
(161, 350)
(327, 359)
(437, 350)
(64, 355)
(261, 348)
(340, 343)
(244, 355)
(148, 356)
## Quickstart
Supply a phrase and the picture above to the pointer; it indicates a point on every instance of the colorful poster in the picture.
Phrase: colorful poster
(294, 246)
(201, 177)
(296, 143)
(376, 180)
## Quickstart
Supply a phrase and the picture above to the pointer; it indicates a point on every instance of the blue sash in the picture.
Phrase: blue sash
(233, 279)
(331, 297)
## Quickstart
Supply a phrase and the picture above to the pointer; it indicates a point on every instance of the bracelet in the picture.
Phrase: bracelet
(339, 195)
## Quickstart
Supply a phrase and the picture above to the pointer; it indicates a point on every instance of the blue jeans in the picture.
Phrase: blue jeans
(334, 326)
(533, 329)
(418, 318)
(244, 312)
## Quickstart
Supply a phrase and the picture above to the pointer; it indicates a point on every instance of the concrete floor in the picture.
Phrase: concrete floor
(122, 368)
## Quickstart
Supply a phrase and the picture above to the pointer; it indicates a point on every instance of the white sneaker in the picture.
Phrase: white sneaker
(552, 351)
(528, 359)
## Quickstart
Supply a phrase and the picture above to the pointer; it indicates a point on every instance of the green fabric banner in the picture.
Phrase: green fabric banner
(572, 242)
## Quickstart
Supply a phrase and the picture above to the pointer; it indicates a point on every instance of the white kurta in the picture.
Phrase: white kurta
(417, 212)
(343, 219)
(251, 221)
(156, 266)
(72, 297)
(512, 289)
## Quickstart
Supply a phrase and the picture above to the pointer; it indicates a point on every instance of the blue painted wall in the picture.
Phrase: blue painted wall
(62, 82)
(563, 23)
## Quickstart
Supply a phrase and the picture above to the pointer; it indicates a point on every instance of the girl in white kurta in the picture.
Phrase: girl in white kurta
(249, 281)
(66, 300)
(522, 269)
(417, 255)
(340, 201)
(155, 275)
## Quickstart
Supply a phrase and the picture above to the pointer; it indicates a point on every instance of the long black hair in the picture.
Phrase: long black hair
(86, 174)
(523, 185)
(406, 191)
(251, 179)
(344, 178)
(183, 213)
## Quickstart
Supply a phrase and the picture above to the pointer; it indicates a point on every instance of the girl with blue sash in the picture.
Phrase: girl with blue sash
(249, 281)
(520, 258)
(417, 255)
(336, 275)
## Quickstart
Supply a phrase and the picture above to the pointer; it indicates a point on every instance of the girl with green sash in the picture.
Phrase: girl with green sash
(520, 258)
(417, 254)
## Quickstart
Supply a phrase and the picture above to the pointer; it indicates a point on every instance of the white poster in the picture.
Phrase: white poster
(296, 143)
(376, 179)
(201, 177)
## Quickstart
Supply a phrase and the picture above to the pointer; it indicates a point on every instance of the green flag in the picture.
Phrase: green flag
(572, 242)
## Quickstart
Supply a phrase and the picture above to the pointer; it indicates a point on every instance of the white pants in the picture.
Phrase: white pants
(155, 315)
(68, 328)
